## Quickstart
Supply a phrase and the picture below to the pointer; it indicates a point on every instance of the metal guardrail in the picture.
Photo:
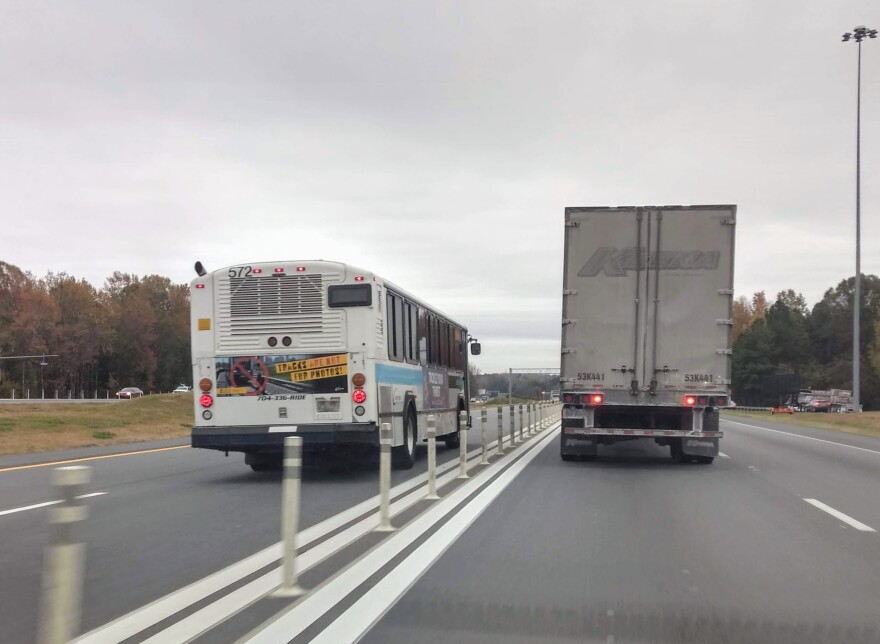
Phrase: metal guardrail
(741, 408)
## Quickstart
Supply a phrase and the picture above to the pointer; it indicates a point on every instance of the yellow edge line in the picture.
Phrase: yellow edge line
(91, 458)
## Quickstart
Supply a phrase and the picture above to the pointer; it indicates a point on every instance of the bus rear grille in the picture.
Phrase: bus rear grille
(251, 308)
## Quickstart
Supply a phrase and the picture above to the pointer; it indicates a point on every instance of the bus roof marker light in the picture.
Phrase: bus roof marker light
(358, 278)
(257, 271)
(300, 269)
(279, 270)
(200, 285)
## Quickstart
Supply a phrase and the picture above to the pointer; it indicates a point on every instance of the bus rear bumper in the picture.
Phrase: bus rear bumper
(266, 439)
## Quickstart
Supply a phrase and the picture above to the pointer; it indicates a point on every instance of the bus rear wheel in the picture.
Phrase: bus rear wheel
(453, 440)
(403, 457)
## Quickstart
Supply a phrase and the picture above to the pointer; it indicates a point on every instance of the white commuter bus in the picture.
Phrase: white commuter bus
(324, 351)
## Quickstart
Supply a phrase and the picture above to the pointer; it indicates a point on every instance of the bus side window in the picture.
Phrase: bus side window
(395, 327)
(423, 337)
(411, 340)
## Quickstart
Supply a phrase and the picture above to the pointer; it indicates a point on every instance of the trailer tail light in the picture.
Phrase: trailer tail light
(721, 401)
(359, 396)
(703, 400)
(206, 401)
(205, 385)
(690, 401)
(593, 399)
(568, 398)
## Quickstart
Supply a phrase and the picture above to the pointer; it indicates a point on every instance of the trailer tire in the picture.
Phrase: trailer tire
(568, 457)
(676, 452)
(403, 457)
(703, 460)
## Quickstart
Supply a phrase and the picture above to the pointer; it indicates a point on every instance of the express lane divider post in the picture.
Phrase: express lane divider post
(483, 418)
(61, 607)
(385, 479)
(520, 423)
(512, 427)
(290, 496)
(500, 446)
(462, 445)
(432, 458)
(531, 423)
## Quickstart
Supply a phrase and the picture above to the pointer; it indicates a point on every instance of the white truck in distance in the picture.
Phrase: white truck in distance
(646, 327)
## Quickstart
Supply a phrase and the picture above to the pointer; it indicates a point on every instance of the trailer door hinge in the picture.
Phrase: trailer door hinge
(570, 291)
(725, 291)
(724, 322)
(568, 321)
(724, 352)
(567, 350)
(572, 224)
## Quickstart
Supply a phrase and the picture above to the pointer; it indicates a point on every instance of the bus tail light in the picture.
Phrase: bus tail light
(359, 396)
(690, 401)
(358, 379)
(205, 400)
(205, 384)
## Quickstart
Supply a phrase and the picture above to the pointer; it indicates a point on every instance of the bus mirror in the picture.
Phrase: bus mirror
(475, 348)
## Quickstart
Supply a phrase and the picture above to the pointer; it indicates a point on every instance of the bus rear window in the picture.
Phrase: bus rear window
(350, 295)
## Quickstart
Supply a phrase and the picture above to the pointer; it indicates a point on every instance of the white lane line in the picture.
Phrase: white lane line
(808, 438)
(141, 618)
(858, 525)
(723, 455)
(47, 503)
(209, 616)
(314, 605)
(378, 600)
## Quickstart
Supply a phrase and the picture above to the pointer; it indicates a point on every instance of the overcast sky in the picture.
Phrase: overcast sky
(435, 143)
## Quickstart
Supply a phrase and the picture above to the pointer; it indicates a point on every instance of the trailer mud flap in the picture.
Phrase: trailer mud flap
(699, 446)
(579, 446)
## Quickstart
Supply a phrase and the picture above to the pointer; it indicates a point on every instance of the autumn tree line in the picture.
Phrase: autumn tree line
(134, 331)
(784, 345)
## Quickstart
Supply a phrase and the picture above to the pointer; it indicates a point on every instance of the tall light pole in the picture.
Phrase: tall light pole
(858, 34)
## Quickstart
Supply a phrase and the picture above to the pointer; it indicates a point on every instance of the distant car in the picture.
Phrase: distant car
(129, 392)
(182, 389)
(820, 406)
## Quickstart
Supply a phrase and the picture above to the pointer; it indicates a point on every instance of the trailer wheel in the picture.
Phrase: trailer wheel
(676, 452)
(568, 457)
(703, 460)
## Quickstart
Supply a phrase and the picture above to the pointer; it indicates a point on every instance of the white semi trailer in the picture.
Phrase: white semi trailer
(646, 327)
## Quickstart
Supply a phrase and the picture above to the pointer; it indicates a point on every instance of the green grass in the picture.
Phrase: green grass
(50, 426)
(865, 424)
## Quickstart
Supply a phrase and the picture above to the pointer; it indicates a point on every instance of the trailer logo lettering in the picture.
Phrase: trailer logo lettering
(616, 262)
(698, 377)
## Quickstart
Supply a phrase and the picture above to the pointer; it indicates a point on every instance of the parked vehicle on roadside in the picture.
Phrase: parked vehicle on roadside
(182, 389)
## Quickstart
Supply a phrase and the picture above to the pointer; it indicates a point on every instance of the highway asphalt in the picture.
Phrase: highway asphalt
(171, 515)
(770, 543)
